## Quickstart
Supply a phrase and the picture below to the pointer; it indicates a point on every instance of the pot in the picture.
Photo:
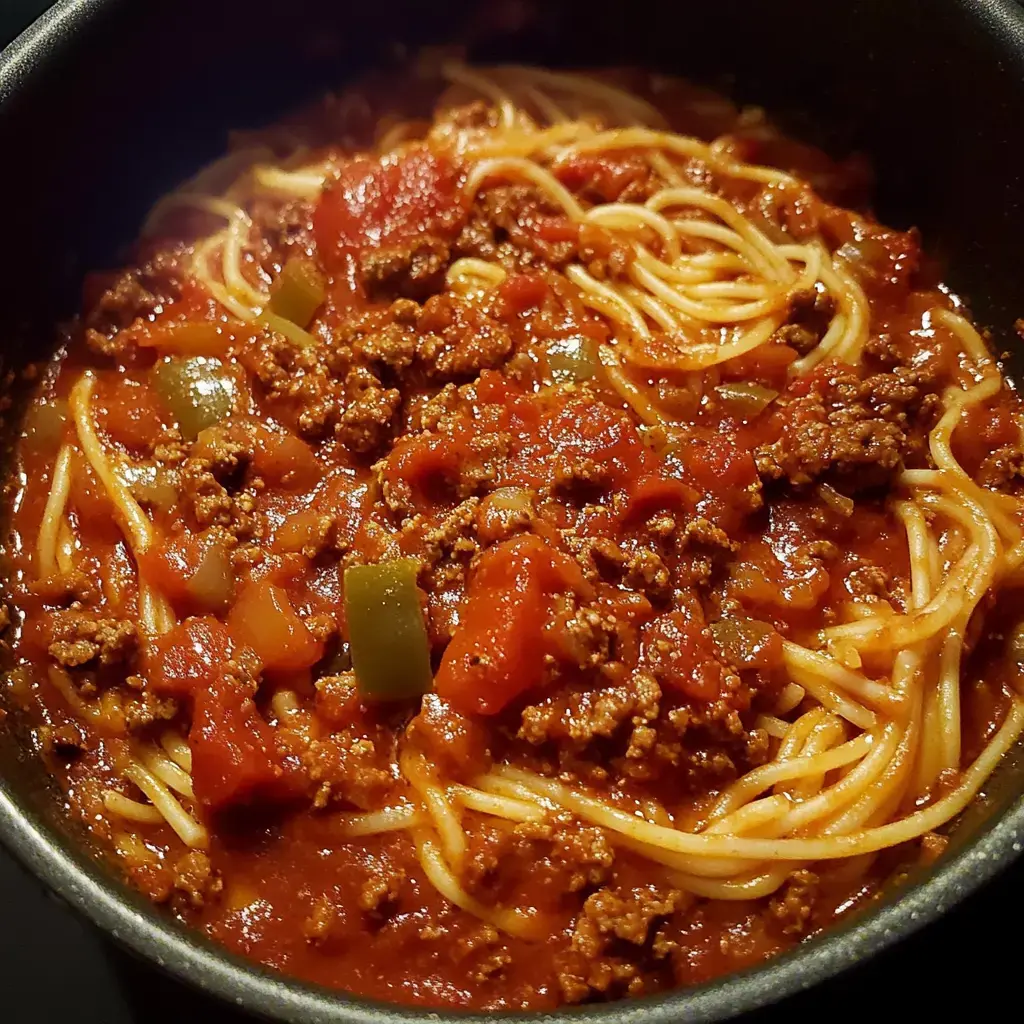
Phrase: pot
(106, 104)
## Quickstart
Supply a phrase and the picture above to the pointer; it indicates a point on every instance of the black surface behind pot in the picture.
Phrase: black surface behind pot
(106, 104)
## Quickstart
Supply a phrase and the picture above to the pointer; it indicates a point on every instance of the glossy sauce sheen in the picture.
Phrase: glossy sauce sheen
(282, 884)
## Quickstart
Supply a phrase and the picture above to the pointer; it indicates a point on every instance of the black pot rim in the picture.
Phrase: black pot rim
(82, 882)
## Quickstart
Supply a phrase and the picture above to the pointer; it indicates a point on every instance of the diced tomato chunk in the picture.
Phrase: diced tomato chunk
(170, 565)
(193, 572)
(342, 499)
(381, 203)
(494, 388)
(679, 650)
(91, 500)
(498, 650)
(190, 657)
(234, 758)
(521, 292)
(556, 441)
(814, 381)
(588, 430)
(990, 425)
(128, 411)
(768, 364)
(263, 618)
(284, 459)
(719, 466)
(188, 337)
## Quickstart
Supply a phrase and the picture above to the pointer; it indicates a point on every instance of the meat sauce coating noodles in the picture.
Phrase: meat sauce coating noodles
(513, 538)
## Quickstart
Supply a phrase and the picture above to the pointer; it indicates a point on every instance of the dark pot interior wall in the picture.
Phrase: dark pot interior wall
(151, 89)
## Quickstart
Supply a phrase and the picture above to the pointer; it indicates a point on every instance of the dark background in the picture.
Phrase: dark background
(54, 967)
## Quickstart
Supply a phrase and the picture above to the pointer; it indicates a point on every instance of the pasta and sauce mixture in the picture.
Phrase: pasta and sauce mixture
(513, 538)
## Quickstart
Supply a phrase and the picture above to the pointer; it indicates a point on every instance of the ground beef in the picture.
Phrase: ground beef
(636, 732)
(557, 853)
(338, 701)
(456, 743)
(348, 768)
(808, 317)
(143, 709)
(458, 339)
(227, 456)
(582, 637)
(131, 294)
(212, 504)
(582, 717)
(636, 567)
(787, 214)
(436, 412)
(332, 391)
(285, 225)
(884, 351)
(380, 890)
(793, 905)
(383, 338)
(64, 587)
(412, 271)
(195, 881)
(474, 475)
(504, 226)
(484, 947)
(583, 852)
(447, 338)
(626, 915)
(579, 980)
(604, 254)
(628, 178)
(702, 533)
(581, 478)
(854, 434)
(1003, 469)
(504, 512)
(325, 536)
(616, 944)
(317, 927)
(868, 580)
(285, 370)
(364, 423)
(81, 638)
(452, 537)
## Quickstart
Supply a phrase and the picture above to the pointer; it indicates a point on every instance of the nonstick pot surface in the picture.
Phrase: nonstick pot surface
(105, 104)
